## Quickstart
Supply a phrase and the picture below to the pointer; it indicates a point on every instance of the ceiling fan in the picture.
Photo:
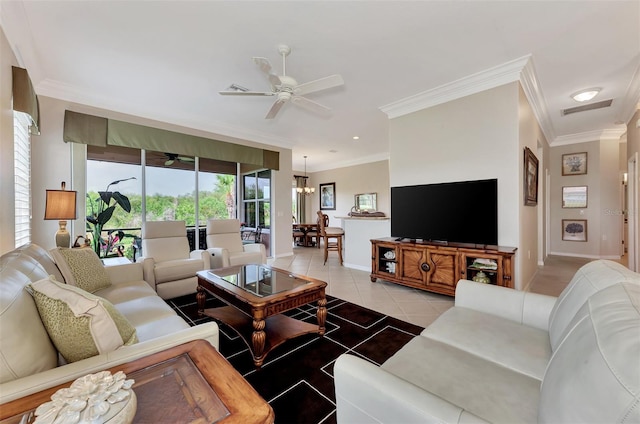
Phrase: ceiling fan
(285, 88)
(172, 157)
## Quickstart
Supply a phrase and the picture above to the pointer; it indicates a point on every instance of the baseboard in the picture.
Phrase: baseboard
(577, 255)
(358, 267)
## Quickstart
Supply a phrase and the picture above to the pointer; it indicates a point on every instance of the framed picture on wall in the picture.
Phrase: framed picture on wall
(574, 163)
(328, 196)
(530, 178)
(574, 197)
(574, 229)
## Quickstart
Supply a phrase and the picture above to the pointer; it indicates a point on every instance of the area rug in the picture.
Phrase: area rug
(297, 377)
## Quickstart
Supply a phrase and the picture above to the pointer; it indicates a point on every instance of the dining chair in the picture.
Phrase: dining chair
(331, 236)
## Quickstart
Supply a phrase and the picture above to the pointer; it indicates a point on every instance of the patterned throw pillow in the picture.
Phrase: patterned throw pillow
(81, 268)
(80, 324)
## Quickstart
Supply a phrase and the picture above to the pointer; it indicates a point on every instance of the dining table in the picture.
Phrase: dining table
(305, 229)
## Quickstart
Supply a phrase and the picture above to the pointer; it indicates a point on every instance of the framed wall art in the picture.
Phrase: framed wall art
(574, 163)
(574, 197)
(328, 196)
(574, 229)
(530, 178)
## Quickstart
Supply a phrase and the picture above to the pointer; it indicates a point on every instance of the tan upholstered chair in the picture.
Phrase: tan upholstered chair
(331, 236)
(168, 265)
(225, 244)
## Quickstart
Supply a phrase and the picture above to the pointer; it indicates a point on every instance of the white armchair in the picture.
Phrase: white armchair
(168, 265)
(225, 244)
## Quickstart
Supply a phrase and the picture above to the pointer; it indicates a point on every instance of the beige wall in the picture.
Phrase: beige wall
(604, 203)
(7, 206)
(52, 159)
(531, 223)
(367, 178)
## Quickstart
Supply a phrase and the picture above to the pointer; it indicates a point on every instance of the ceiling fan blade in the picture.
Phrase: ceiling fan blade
(168, 162)
(319, 84)
(265, 66)
(186, 159)
(246, 93)
(310, 105)
(275, 108)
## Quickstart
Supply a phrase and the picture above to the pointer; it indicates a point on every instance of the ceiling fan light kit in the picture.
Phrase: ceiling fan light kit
(286, 88)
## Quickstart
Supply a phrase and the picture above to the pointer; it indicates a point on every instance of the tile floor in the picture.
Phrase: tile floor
(411, 305)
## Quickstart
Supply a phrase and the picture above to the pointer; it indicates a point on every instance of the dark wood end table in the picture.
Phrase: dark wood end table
(189, 383)
(256, 296)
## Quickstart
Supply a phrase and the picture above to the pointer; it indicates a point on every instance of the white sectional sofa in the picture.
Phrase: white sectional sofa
(29, 362)
(506, 356)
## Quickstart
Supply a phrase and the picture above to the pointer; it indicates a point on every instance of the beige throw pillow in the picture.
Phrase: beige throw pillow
(80, 324)
(81, 268)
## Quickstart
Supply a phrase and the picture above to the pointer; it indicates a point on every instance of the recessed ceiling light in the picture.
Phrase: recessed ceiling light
(585, 95)
(355, 137)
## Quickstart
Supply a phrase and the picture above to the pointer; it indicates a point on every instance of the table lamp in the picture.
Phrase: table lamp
(61, 205)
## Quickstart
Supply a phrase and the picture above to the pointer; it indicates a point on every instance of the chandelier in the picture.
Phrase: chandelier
(305, 190)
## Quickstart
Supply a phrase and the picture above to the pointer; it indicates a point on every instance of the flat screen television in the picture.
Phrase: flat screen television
(455, 212)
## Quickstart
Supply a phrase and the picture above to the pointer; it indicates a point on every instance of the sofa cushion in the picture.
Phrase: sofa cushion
(81, 268)
(589, 279)
(177, 269)
(519, 347)
(81, 325)
(44, 258)
(25, 347)
(594, 374)
(484, 388)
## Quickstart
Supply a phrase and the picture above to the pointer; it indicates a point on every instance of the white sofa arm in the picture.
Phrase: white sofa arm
(148, 264)
(367, 393)
(256, 247)
(204, 255)
(526, 308)
(125, 273)
(219, 257)
(43, 380)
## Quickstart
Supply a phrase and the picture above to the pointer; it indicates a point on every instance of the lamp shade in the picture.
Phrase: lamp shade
(60, 205)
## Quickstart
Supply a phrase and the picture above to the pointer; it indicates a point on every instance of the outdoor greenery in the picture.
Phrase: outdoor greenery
(217, 203)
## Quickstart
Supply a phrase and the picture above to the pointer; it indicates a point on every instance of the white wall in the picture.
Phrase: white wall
(472, 138)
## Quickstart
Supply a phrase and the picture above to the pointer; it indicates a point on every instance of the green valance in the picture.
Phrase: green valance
(24, 97)
(97, 131)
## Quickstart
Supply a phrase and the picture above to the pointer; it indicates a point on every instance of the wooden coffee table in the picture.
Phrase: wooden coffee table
(257, 296)
(189, 383)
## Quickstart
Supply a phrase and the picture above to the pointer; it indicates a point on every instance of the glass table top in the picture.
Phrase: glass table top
(259, 280)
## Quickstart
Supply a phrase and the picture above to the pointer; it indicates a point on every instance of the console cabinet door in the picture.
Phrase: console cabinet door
(384, 259)
(444, 271)
(413, 264)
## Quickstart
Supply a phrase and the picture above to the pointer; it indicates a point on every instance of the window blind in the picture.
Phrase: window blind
(22, 173)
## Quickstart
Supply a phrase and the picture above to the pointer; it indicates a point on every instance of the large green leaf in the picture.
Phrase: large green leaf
(123, 201)
(105, 216)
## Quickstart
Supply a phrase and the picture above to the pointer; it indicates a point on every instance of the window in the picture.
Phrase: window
(172, 191)
(22, 172)
(257, 199)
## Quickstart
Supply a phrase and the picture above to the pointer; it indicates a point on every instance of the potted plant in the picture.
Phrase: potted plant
(102, 209)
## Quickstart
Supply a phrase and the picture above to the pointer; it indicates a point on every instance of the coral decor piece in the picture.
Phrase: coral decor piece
(95, 398)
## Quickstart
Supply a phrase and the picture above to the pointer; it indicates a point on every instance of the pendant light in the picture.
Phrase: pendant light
(305, 190)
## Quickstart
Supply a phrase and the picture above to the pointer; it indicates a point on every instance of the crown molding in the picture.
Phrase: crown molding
(476, 83)
(533, 92)
(589, 136)
(358, 161)
(74, 94)
(632, 99)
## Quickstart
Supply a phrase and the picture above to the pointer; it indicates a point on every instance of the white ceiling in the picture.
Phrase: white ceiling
(168, 60)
